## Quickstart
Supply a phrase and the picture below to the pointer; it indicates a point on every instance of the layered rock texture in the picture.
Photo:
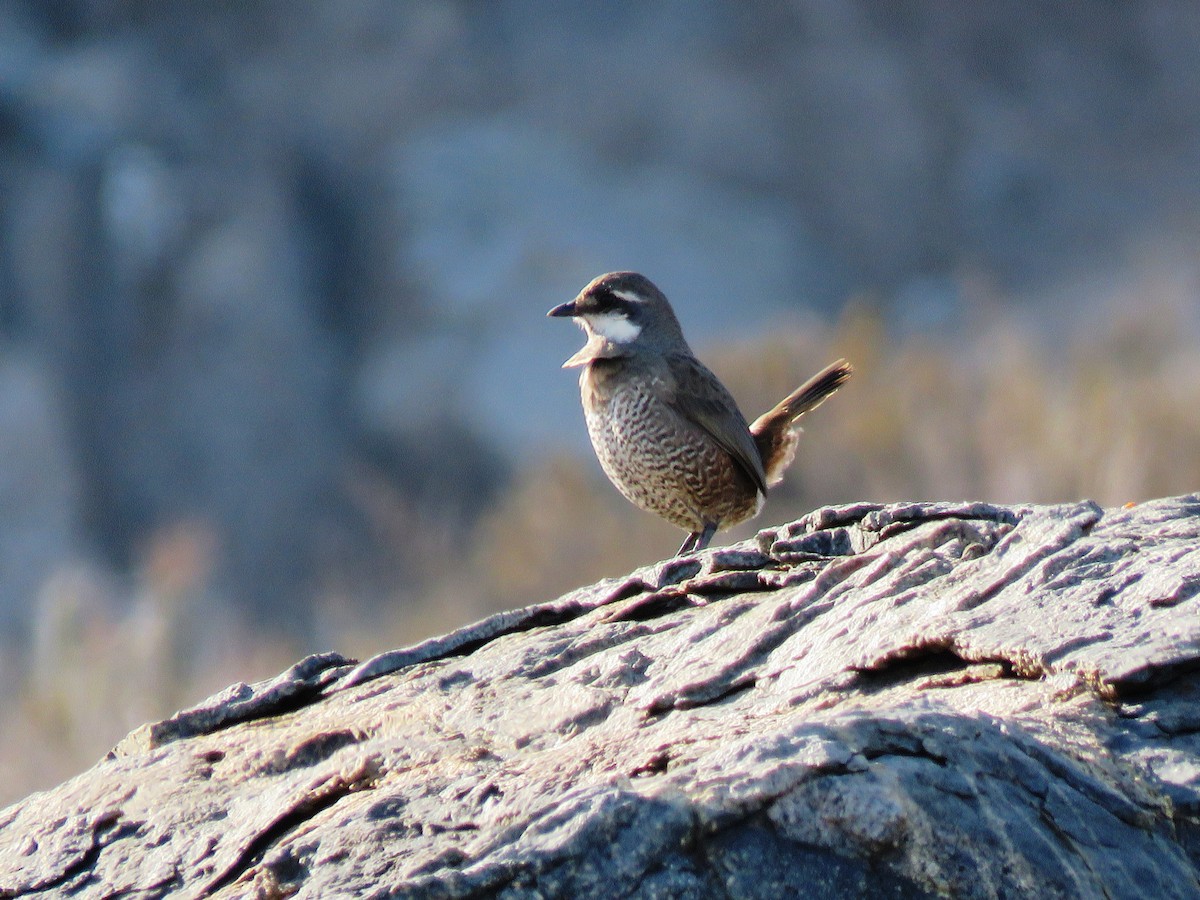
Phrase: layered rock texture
(906, 700)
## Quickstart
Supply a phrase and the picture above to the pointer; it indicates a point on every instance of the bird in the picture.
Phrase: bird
(667, 432)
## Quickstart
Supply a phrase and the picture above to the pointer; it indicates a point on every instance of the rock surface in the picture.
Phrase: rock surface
(901, 701)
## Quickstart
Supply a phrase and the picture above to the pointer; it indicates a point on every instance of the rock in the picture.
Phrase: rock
(902, 701)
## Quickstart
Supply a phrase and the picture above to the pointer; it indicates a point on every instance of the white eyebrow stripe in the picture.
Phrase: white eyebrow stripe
(614, 326)
(628, 296)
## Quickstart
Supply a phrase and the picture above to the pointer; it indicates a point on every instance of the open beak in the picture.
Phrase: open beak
(563, 310)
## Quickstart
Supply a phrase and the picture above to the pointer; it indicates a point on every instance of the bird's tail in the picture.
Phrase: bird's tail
(773, 432)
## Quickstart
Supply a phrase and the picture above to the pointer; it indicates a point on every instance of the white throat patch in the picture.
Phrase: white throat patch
(614, 327)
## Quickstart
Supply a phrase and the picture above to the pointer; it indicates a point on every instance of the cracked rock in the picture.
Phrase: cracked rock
(921, 699)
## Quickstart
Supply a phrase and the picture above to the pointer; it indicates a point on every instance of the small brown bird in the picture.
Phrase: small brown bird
(667, 432)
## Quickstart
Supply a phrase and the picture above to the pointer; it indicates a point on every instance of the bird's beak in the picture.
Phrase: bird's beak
(563, 310)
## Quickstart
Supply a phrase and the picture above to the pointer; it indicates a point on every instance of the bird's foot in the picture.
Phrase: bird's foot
(698, 540)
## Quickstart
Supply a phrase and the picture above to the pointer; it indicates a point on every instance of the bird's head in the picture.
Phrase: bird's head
(622, 313)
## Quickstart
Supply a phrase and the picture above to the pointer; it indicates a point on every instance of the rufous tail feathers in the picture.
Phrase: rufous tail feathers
(773, 433)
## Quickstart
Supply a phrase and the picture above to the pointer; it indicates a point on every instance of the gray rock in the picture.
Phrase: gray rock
(900, 701)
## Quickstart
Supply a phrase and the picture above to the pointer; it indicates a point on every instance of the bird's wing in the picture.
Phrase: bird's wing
(701, 399)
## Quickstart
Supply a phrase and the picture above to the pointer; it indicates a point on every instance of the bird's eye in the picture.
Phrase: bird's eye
(605, 300)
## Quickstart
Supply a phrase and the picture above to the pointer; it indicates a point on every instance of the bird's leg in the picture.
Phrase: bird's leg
(698, 540)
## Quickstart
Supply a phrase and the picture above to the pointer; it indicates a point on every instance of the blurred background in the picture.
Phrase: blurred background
(274, 371)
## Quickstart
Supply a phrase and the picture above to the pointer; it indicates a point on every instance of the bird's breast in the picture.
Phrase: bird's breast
(599, 382)
(655, 456)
